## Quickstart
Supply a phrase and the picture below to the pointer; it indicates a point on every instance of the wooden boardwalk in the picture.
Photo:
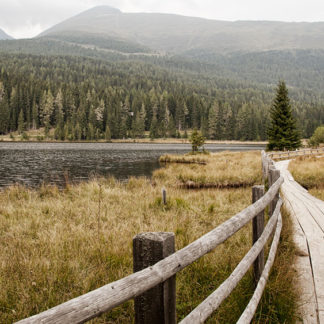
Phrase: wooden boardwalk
(308, 221)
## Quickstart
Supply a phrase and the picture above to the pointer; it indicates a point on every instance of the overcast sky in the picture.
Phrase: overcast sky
(27, 18)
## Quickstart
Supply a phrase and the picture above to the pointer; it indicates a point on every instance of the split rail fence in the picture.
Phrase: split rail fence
(152, 284)
(292, 154)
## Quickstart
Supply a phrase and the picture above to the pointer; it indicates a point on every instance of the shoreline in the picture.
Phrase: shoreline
(140, 141)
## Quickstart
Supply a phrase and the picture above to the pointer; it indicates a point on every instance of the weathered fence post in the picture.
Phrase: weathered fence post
(257, 229)
(270, 167)
(264, 166)
(274, 175)
(164, 197)
(156, 305)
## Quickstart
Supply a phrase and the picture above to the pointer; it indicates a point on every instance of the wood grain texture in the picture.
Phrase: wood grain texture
(250, 310)
(158, 304)
(274, 176)
(307, 213)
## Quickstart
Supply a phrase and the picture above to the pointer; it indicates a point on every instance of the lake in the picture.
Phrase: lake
(32, 164)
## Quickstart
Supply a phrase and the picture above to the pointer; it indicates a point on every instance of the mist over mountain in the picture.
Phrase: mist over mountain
(186, 35)
(4, 35)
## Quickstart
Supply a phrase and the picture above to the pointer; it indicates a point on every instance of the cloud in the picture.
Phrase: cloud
(27, 18)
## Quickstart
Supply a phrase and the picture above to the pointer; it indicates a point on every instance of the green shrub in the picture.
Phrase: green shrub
(318, 137)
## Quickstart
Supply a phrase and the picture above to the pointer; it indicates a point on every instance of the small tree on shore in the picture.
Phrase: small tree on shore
(318, 137)
(196, 140)
(282, 133)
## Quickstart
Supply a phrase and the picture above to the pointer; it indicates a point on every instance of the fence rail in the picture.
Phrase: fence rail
(103, 299)
(291, 154)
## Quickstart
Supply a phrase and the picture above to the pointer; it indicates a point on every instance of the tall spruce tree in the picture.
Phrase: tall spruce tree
(282, 133)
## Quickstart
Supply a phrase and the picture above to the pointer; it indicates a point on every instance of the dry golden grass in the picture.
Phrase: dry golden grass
(229, 170)
(56, 245)
(186, 158)
(309, 172)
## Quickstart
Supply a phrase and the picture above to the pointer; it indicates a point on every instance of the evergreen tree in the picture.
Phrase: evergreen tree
(99, 113)
(21, 122)
(154, 129)
(4, 111)
(35, 116)
(77, 132)
(4, 116)
(172, 130)
(60, 131)
(282, 133)
(90, 132)
(107, 134)
(242, 123)
(141, 121)
(14, 105)
(212, 121)
(48, 109)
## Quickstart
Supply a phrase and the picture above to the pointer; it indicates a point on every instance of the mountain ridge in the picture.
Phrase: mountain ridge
(178, 34)
(4, 35)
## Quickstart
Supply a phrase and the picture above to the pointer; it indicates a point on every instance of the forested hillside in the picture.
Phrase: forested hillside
(104, 73)
(85, 98)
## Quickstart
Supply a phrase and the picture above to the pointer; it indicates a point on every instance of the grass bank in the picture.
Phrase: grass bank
(309, 172)
(226, 170)
(38, 135)
(58, 244)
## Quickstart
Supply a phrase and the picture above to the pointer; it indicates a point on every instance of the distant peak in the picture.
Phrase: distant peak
(103, 10)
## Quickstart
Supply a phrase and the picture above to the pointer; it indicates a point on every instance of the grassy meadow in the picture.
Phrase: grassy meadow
(309, 172)
(58, 244)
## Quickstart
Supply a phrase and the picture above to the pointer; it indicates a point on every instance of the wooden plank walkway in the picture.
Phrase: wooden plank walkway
(308, 221)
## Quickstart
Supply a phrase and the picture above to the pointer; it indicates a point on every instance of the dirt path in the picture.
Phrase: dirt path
(308, 219)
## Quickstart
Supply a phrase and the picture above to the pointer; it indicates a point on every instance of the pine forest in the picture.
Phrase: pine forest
(89, 99)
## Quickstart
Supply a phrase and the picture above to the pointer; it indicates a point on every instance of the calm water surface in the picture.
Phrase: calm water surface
(32, 164)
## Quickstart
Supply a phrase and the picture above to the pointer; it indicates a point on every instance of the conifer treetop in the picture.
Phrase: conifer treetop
(282, 133)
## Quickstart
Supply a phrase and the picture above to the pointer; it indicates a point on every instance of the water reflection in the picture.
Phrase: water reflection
(34, 163)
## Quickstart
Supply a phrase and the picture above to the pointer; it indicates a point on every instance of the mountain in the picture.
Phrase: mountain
(261, 52)
(189, 35)
(3, 35)
(258, 52)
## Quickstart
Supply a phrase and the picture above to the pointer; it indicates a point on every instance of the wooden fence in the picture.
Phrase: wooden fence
(291, 154)
(160, 277)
